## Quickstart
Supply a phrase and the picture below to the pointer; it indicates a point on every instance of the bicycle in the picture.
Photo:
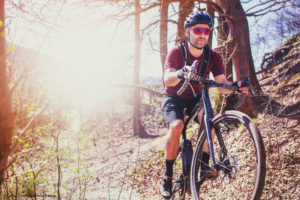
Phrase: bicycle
(245, 155)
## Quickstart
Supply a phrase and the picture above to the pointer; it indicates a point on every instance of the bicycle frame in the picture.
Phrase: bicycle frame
(207, 124)
(207, 117)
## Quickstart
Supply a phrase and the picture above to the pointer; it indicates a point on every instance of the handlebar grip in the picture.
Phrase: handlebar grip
(230, 87)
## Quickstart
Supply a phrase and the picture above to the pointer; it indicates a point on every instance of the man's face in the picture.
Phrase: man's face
(199, 34)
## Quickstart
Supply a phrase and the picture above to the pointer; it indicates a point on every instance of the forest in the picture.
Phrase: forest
(81, 85)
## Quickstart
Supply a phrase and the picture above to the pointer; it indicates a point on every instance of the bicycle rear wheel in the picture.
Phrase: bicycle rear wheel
(241, 162)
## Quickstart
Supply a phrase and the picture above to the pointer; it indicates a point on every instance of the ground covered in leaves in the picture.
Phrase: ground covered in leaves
(131, 167)
(105, 160)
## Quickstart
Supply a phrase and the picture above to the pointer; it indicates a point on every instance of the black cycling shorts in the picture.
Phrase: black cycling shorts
(173, 108)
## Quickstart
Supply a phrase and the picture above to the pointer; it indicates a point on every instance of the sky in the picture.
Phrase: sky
(85, 43)
(90, 51)
(81, 37)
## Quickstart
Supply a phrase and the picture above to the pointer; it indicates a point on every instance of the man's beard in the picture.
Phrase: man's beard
(200, 42)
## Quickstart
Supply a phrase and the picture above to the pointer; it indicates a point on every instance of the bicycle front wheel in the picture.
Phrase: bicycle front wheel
(240, 160)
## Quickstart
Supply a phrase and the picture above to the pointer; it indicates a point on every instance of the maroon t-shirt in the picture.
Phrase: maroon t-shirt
(176, 61)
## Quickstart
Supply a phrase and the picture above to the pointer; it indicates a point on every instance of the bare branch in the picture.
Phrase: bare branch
(211, 3)
(247, 1)
(229, 58)
(149, 25)
(140, 87)
(154, 23)
(266, 9)
(151, 44)
(42, 43)
(126, 16)
(257, 14)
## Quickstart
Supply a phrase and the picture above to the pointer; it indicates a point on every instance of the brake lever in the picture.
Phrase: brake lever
(194, 67)
(186, 82)
(246, 83)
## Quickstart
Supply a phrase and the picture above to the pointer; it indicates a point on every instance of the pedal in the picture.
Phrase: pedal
(208, 173)
(212, 175)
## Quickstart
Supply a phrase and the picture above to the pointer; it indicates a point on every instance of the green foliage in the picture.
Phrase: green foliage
(44, 144)
(161, 120)
(161, 152)
(29, 187)
(192, 129)
(217, 101)
(145, 100)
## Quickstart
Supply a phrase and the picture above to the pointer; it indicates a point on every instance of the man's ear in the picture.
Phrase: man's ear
(187, 32)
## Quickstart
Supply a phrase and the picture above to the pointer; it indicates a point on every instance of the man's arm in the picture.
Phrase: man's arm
(171, 75)
(222, 79)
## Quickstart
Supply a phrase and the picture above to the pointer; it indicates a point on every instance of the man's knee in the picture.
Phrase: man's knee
(176, 126)
(200, 115)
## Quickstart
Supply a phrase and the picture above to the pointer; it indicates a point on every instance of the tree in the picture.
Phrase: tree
(163, 34)
(6, 113)
(185, 8)
(136, 71)
(223, 49)
(233, 16)
(211, 12)
(127, 9)
(240, 47)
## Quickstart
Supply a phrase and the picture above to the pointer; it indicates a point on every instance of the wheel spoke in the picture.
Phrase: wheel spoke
(236, 167)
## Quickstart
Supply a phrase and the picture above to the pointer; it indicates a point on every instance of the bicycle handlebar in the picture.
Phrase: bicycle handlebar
(188, 80)
(212, 83)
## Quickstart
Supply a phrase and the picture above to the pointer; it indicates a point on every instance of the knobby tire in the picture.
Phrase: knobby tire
(246, 154)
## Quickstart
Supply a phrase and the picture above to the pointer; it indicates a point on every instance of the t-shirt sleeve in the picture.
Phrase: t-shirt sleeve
(172, 60)
(218, 65)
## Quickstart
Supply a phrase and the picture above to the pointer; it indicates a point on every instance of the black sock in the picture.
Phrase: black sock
(205, 158)
(169, 168)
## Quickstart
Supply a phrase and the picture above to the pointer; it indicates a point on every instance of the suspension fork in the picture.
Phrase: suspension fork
(221, 141)
(208, 116)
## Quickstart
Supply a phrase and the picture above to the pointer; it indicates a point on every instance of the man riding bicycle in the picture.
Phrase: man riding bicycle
(198, 26)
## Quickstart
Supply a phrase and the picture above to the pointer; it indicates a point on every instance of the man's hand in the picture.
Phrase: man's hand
(242, 87)
(184, 72)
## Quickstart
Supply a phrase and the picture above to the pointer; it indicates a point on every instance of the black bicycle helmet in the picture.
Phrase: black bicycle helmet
(198, 17)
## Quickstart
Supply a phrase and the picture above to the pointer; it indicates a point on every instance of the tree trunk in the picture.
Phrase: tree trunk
(185, 8)
(163, 35)
(223, 32)
(211, 12)
(6, 114)
(242, 57)
(136, 72)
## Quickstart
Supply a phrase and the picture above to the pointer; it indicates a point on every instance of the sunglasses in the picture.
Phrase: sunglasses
(199, 31)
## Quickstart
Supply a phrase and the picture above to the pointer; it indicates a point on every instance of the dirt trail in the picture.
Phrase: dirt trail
(112, 166)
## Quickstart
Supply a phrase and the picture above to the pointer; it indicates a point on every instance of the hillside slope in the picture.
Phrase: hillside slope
(278, 121)
(131, 168)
